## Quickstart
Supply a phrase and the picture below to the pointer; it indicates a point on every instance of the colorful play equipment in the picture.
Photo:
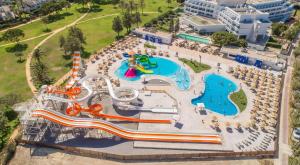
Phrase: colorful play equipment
(125, 133)
(139, 62)
(130, 73)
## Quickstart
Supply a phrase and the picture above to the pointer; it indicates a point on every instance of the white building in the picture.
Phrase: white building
(279, 10)
(233, 15)
(247, 23)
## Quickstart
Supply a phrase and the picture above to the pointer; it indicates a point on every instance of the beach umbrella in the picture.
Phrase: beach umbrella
(238, 125)
(216, 124)
(227, 124)
(214, 118)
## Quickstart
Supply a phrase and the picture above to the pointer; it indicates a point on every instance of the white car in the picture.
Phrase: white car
(296, 133)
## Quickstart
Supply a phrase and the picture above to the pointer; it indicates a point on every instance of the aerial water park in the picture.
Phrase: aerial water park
(151, 101)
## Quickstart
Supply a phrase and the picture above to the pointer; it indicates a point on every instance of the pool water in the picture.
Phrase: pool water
(165, 67)
(216, 95)
(194, 38)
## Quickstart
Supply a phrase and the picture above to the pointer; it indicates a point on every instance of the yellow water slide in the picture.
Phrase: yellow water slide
(142, 69)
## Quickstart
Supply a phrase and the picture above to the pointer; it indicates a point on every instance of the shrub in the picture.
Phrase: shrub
(148, 45)
(274, 45)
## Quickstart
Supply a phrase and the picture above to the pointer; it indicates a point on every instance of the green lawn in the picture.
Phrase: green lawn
(98, 34)
(12, 73)
(36, 28)
(195, 65)
(240, 99)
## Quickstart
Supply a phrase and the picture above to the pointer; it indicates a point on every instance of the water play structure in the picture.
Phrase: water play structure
(138, 62)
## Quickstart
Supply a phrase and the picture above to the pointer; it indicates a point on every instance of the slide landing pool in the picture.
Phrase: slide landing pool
(216, 95)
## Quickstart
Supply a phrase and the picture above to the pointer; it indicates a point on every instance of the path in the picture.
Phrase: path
(29, 57)
(284, 133)
(28, 39)
(14, 27)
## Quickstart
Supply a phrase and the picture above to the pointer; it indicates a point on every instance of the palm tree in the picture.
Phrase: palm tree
(38, 54)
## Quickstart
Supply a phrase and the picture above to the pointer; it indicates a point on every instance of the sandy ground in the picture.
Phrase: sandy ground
(46, 156)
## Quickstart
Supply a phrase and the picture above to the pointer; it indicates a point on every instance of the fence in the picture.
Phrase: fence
(156, 157)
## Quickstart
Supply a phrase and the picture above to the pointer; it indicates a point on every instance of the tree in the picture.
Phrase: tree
(131, 5)
(77, 33)
(297, 52)
(72, 44)
(122, 5)
(177, 26)
(291, 33)
(13, 35)
(62, 41)
(278, 28)
(82, 2)
(19, 55)
(137, 18)
(169, 2)
(142, 5)
(4, 128)
(127, 21)
(171, 26)
(242, 43)
(38, 54)
(40, 74)
(117, 25)
(223, 38)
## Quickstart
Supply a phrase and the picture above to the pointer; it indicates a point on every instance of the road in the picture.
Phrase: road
(284, 148)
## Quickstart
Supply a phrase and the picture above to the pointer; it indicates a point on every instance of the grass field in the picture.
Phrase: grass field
(240, 99)
(96, 27)
(196, 66)
(12, 73)
(36, 28)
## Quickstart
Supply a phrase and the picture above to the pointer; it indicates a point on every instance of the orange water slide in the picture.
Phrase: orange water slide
(125, 133)
(96, 109)
(71, 92)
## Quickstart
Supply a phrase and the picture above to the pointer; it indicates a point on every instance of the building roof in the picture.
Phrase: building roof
(202, 20)
(259, 1)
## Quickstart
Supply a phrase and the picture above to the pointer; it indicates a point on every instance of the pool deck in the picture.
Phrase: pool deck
(190, 120)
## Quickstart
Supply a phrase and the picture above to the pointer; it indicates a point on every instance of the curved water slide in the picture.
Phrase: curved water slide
(134, 93)
(125, 133)
(85, 85)
(142, 69)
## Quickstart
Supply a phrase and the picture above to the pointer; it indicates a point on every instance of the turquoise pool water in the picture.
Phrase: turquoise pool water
(194, 38)
(216, 95)
(165, 68)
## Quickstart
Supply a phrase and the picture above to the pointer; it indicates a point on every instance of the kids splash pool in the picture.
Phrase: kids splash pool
(163, 67)
(216, 95)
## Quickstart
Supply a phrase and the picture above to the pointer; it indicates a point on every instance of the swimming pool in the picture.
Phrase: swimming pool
(165, 67)
(216, 95)
(194, 38)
